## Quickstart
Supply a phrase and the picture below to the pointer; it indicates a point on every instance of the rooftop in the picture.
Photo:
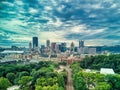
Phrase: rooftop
(107, 71)
(12, 52)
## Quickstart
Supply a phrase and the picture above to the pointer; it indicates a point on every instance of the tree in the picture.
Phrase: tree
(4, 83)
(11, 77)
(103, 86)
(37, 87)
(99, 77)
(96, 62)
(61, 81)
(23, 73)
(89, 78)
(25, 82)
(114, 81)
(75, 67)
(41, 81)
(79, 82)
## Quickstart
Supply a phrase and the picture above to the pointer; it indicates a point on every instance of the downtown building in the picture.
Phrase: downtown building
(35, 42)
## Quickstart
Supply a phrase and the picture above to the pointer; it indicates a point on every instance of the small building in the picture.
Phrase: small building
(107, 71)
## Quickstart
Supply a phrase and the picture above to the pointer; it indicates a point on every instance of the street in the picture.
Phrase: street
(69, 85)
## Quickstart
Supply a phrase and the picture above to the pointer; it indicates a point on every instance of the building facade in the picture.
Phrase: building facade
(35, 42)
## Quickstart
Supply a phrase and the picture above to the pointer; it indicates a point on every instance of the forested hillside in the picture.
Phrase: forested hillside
(102, 61)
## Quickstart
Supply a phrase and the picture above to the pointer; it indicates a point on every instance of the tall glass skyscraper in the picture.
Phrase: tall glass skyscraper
(35, 42)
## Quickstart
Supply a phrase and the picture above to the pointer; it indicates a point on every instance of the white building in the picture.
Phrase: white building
(107, 71)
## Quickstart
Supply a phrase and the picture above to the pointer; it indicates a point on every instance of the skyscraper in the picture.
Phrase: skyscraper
(81, 43)
(35, 42)
(30, 45)
(63, 47)
(72, 47)
(48, 43)
(53, 46)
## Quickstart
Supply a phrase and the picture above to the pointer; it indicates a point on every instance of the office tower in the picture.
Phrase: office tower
(63, 47)
(72, 47)
(48, 43)
(35, 42)
(81, 43)
(53, 46)
(60, 47)
(75, 49)
(42, 49)
(57, 50)
(30, 45)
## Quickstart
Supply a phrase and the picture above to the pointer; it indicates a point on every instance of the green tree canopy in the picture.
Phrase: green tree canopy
(11, 77)
(103, 86)
(4, 83)
(25, 82)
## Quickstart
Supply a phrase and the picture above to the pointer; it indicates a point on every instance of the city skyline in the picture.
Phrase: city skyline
(95, 22)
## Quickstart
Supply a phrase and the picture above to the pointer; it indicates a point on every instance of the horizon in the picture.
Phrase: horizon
(67, 43)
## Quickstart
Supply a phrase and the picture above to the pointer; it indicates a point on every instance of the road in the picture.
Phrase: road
(69, 85)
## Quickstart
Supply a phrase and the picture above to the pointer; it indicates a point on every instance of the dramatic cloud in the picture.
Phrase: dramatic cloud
(95, 21)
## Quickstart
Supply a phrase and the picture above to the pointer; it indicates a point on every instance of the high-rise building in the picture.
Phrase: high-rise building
(35, 42)
(81, 43)
(57, 50)
(53, 46)
(30, 45)
(63, 47)
(60, 47)
(48, 43)
(72, 47)
(42, 49)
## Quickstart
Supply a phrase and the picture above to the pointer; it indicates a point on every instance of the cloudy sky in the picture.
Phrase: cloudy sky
(95, 21)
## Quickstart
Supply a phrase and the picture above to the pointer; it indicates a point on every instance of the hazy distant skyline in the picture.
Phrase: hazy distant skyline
(97, 22)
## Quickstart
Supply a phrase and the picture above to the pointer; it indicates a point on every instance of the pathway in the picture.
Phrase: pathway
(69, 85)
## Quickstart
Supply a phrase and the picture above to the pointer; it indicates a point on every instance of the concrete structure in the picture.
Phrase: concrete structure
(107, 71)
(57, 50)
(63, 47)
(72, 47)
(53, 46)
(47, 43)
(81, 43)
(42, 49)
(30, 45)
